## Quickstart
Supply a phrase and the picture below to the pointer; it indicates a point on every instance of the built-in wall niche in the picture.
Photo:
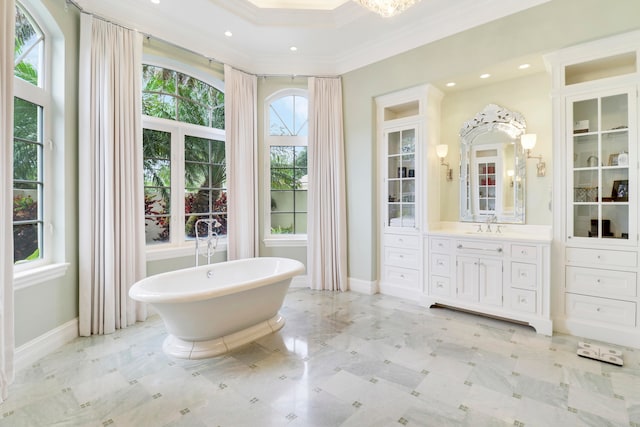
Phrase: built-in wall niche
(401, 111)
(611, 66)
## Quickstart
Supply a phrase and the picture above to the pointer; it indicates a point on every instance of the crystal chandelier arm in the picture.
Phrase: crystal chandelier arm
(387, 8)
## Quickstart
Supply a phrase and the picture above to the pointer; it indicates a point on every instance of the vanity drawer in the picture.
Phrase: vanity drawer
(526, 252)
(441, 264)
(600, 309)
(440, 245)
(601, 282)
(523, 300)
(403, 277)
(479, 247)
(406, 258)
(440, 286)
(601, 257)
(402, 241)
(524, 275)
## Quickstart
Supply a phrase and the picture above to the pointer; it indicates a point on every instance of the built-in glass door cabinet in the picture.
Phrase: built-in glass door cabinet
(401, 177)
(602, 160)
(595, 102)
(407, 125)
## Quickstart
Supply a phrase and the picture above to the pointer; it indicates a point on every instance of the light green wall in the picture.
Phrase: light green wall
(527, 95)
(539, 30)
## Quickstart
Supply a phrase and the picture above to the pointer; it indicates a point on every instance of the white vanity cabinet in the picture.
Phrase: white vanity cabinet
(595, 102)
(408, 128)
(479, 272)
(490, 274)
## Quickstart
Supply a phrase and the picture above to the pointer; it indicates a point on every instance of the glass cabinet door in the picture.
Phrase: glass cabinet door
(401, 178)
(602, 189)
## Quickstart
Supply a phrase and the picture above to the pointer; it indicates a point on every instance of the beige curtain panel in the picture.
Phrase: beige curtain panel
(111, 222)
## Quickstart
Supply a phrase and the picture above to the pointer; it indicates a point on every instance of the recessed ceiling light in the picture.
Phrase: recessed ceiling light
(485, 76)
(155, 1)
(293, 48)
(524, 66)
(451, 84)
(228, 33)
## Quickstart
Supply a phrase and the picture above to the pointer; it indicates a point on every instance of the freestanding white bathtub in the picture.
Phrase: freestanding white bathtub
(212, 309)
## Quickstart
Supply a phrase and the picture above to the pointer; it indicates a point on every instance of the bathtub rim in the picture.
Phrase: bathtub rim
(139, 293)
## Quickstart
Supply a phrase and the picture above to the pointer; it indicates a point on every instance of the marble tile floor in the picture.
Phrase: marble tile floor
(343, 359)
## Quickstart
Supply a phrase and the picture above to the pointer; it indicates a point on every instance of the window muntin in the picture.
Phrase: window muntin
(30, 102)
(286, 148)
(288, 116)
(184, 155)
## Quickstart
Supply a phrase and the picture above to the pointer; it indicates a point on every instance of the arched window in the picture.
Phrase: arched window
(31, 101)
(286, 148)
(184, 155)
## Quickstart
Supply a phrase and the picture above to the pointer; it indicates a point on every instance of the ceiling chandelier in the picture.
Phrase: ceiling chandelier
(387, 8)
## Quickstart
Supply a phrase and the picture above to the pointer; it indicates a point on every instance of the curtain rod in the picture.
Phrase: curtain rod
(193, 52)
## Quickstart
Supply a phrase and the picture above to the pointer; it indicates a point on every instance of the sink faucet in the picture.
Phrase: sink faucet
(491, 219)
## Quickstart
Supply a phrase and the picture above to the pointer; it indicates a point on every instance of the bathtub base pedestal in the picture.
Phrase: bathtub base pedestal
(183, 349)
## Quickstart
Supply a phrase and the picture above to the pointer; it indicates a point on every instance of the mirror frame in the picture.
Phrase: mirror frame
(493, 118)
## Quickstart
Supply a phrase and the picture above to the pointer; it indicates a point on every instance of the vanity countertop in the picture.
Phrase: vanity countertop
(510, 232)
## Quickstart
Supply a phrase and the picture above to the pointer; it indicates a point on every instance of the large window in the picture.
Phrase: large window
(184, 155)
(30, 156)
(286, 145)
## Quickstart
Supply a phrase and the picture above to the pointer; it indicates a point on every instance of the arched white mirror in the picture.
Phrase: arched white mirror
(492, 168)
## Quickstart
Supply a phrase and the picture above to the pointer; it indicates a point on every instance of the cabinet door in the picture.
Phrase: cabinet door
(490, 281)
(401, 177)
(467, 278)
(602, 164)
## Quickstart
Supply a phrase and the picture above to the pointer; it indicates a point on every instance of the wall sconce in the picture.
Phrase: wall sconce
(442, 150)
(510, 174)
(528, 141)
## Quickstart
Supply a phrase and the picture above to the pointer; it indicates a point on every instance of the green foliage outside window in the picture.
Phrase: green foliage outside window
(172, 95)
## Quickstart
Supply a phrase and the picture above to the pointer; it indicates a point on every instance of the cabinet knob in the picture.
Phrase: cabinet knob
(598, 281)
(440, 262)
(402, 276)
(523, 300)
(523, 252)
(400, 240)
(598, 309)
(440, 285)
(401, 256)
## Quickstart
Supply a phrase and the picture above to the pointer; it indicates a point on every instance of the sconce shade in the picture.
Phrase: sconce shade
(528, 141)
(510, 172)
(442, 150)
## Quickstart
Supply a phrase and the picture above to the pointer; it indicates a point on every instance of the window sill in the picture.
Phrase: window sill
(290, 241)
(169, 252)
(38, 275)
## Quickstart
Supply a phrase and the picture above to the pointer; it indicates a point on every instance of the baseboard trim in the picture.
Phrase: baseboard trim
(363, 286)
(299, 282)
(47, 343)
